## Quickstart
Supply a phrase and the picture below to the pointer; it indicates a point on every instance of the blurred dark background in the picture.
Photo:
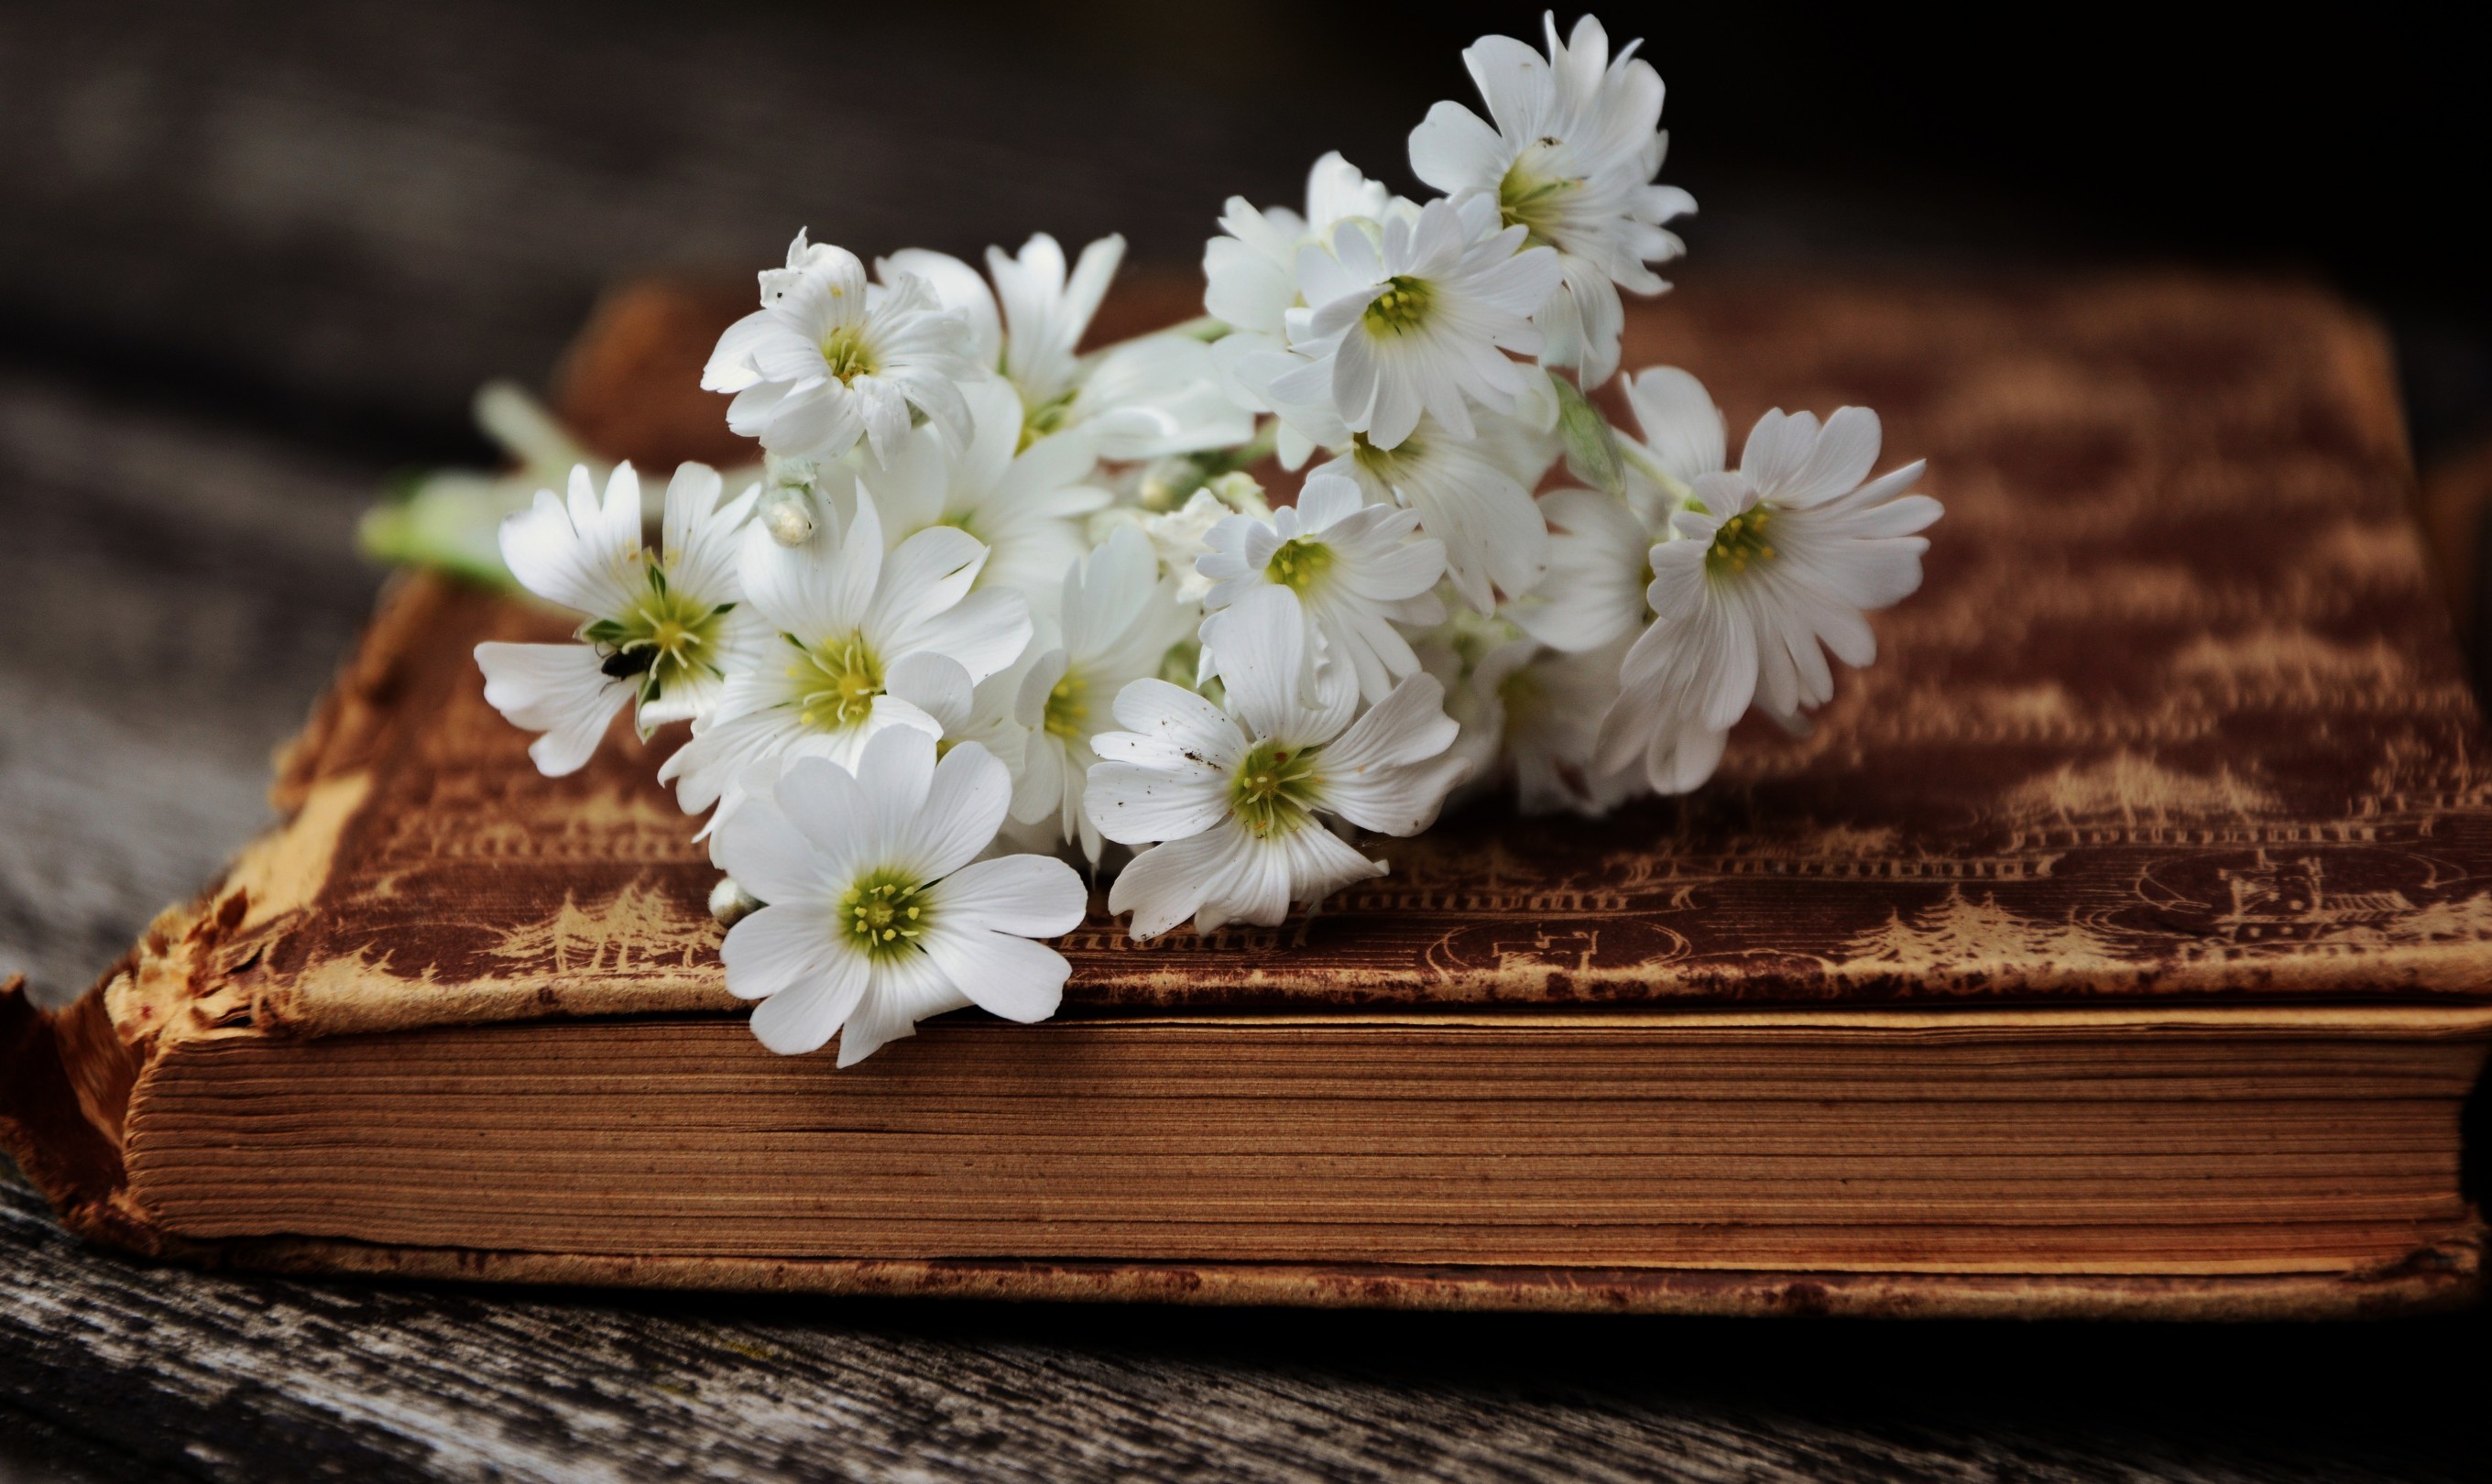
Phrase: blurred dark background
(348, 214)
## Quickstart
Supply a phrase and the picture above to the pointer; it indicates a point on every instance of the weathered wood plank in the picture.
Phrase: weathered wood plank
(175, 594)
(267, 1379)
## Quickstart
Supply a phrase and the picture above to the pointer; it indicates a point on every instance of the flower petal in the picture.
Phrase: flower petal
(902, 990)
(966, 799)
(1035, 896)
(1002, 974)
(824, 803)
(778, 852)
(803, 1017)
(780, 946)
(1260, 655)
(559, 690)
(1680, 425)
(1138, 803)
(1389, 771)
(894, 769)
(569, 553)
(985, 633)
(1166, 884)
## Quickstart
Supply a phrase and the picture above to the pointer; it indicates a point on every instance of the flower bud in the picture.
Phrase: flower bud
(789, 516)
(1242, 493)
(730, 903)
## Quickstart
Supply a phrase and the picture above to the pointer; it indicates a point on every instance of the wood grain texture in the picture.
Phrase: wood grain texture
(176, 591)
(271, 1380)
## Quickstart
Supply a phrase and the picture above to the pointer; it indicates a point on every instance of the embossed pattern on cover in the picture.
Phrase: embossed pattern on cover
(2176, 713)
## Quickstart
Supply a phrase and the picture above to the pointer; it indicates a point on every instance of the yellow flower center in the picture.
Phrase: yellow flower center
(1382, 463)
(1068, 708)
(1047, 417)
(1298, 564)
(884, 913)
(848, 355)
(1401, 309)
(1532, 199)
(664, 637)
(836, 683)
(1739, 541)
(1273, 788)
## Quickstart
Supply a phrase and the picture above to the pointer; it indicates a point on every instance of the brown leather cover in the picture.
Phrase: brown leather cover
(2175, 715)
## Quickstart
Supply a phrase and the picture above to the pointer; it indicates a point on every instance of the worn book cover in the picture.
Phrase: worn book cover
(2173, 752)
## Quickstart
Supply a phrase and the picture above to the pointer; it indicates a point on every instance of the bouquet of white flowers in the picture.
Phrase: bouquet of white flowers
(994, 604)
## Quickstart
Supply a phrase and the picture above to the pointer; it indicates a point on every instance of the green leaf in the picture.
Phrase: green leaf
(1592, 444)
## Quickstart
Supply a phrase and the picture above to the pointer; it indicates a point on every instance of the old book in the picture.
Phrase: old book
(2121, 943)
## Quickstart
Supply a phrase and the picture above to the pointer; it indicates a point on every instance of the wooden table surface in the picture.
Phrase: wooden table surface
(254, 260)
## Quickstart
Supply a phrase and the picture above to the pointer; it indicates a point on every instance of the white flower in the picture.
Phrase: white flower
(829, 358)
(1146, 399)
(1418, 321)
(864, 638)
(1683, 440)
(1469, 494)
(1029, 508)
(986, 712)
(1251, 284)
(1598, 568)
(1773, 561)
(1350, 565)
(1546, 709)
(1181, 537)
(1234, 795)
(1251, 274)
(664, 627)
(1571, 160)
(1117, 623)
(878, 913)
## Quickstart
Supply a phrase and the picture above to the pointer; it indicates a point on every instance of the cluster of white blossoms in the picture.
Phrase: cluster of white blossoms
(999, 607)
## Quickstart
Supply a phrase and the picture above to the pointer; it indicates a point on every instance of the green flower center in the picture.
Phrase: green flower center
(1401, 309)
(1532, 200)
(1518, 693)
(664, 637)
(1068, 708)
(848, 355)
(1739, 541)
(1382, 463)
(1047, 417)
(836, 682)
(885, 913)
(1473, 636)
(1274, 788)
(1299, 564)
